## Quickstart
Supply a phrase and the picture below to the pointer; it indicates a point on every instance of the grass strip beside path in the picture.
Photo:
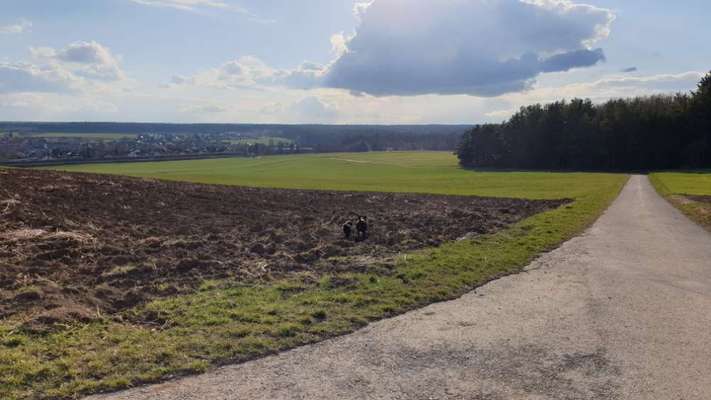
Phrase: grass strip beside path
(678, 188)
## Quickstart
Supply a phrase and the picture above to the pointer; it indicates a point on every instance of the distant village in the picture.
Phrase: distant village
(33, 148)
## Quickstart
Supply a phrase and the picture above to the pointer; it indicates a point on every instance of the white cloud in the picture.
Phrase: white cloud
(205, 7)
(606, 88)
(89, 59)
(313, 109)
(80, 67)
(55, 106)
(181, 80)
(243, 73)
(20, 27)
(192, 5)
(321, 109)
(204, 109)
(250, 72)
(615, 86)
(661, 83)
(339, 44)
(247, 70)
(23, 77)
(24, 100)
(475, 47)
(306, 76)
(190, 103)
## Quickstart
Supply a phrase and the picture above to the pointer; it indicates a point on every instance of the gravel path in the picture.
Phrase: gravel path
(621, 312)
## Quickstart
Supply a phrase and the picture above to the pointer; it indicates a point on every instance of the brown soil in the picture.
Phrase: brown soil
(700, 199)
(77, 246)
(698, 208)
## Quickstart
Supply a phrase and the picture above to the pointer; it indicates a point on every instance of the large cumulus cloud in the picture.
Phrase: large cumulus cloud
(474, 47)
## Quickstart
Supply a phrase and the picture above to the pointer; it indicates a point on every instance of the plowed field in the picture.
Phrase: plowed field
(77, 246)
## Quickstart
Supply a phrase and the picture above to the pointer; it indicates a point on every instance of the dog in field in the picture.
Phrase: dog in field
(362, 228)
(348, 229)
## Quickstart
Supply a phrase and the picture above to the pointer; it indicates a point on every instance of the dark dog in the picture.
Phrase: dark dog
(362, 228)
(348, 229)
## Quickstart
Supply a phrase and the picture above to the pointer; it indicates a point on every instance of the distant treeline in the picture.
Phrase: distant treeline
(445, 141)
(643, 133)
(319, 138)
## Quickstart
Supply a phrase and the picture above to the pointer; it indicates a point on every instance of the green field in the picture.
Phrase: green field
(228, 322)
(678, 186)
(87, 136)
(422, 172)
(683, 182)
(261, 140)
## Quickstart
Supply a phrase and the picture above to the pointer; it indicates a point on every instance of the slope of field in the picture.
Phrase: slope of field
(213, 320)
(419, 172)
(690, 192)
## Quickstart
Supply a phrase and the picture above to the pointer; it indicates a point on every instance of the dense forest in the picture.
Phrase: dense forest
(643, 133)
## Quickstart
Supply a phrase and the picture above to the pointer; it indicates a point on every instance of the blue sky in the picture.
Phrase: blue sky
(338, 61)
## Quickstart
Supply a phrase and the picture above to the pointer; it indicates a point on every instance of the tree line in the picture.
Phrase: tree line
(317, 138)
(446, 141)
(641, 133)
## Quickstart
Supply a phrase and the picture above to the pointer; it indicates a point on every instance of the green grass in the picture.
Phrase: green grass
(677, 186)
(226, 322)
(684, 183)
(423, 172)
(88, 136)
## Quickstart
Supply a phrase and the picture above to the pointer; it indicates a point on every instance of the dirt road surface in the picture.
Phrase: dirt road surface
(621, 312)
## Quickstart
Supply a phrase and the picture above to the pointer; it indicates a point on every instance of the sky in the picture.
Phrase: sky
(338, 61)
